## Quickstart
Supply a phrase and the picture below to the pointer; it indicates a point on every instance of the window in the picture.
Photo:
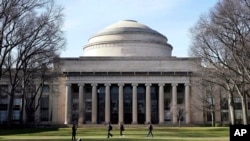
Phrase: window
(224, 104)
(167, 104)
(17, 103)
(210, 101)
(209, 116)
(237, 103)
(44, 109)
(46, 89)
(3, 89)
(3, 102)
(224, 116)
(16, 115)
(3, 116)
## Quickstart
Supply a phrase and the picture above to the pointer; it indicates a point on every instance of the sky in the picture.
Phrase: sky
(172, 18)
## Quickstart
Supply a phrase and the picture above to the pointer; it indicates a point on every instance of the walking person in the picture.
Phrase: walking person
(74, 132)
(109, 128)
(121, 127)
(150, 130)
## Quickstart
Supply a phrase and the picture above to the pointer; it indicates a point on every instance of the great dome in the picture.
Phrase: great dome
(127, 38)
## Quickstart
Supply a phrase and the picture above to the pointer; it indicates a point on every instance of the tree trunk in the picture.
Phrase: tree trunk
(231, 109)
(244, 109)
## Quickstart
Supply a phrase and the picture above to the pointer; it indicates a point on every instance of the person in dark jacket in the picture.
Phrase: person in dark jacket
(109, 128)
(150, 130)
(73, 132)
(121, 127)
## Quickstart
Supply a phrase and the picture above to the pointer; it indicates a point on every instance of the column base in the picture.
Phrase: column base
(161, 122)
(134, 122)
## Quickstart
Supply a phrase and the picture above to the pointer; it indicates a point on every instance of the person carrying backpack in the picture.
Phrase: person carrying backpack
(121, 129)
(109, 128)
(74, 132)
(150, 130)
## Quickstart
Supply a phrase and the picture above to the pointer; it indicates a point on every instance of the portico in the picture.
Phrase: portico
(128, 107)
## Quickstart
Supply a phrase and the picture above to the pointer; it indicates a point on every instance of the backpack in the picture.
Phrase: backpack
(110, 127)
(122, 128)
(150, 127)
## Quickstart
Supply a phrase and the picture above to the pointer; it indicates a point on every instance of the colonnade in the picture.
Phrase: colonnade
(68, 103)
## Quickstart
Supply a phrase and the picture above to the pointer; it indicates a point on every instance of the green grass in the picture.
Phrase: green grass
(131, 134)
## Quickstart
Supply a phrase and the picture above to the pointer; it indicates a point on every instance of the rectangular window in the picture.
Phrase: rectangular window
(88, 106)
(17, 103)
(167, 104)
(237, 103)
(209, 116)
(3, 116)
(224, 116)
(3, 89)
(46, 89)
(16, 115)
(3, 102)
(210, 101)
(224, 104)
(44, 109)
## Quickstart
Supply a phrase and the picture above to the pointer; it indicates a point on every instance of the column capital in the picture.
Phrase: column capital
(107, 84)
(187, 84)
(161, 84)
(94, 84)
(174, 84)
(148, 84)
(120, 84)
(134, 84)
(67, 84)
(81, 84)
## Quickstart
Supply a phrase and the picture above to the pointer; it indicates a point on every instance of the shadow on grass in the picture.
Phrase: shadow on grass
(23, 131)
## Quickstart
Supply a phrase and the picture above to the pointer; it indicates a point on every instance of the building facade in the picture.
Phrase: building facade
(127, 74)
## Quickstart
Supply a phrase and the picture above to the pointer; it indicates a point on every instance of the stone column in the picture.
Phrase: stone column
(148, 103)
(68, 104)
(107, 103)
(187, 103)
(161, 103)
(174, 102)
(94, 104)
(81, 104)
(121, 114)
(134, 104)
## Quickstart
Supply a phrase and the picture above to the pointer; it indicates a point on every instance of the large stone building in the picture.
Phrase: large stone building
(127, 74)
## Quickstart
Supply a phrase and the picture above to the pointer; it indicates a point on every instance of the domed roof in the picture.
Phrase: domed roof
(127, 38)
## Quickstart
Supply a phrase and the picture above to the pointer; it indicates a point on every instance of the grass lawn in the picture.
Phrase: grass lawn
(131, 134)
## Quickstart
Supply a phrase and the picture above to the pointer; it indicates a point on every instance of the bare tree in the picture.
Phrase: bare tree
(31, 37)
(221, 39)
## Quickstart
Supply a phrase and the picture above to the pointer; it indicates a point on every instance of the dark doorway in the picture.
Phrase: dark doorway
(100, 103)
(127, 95)
(141, 103)
(114, 104)
(154, 103)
